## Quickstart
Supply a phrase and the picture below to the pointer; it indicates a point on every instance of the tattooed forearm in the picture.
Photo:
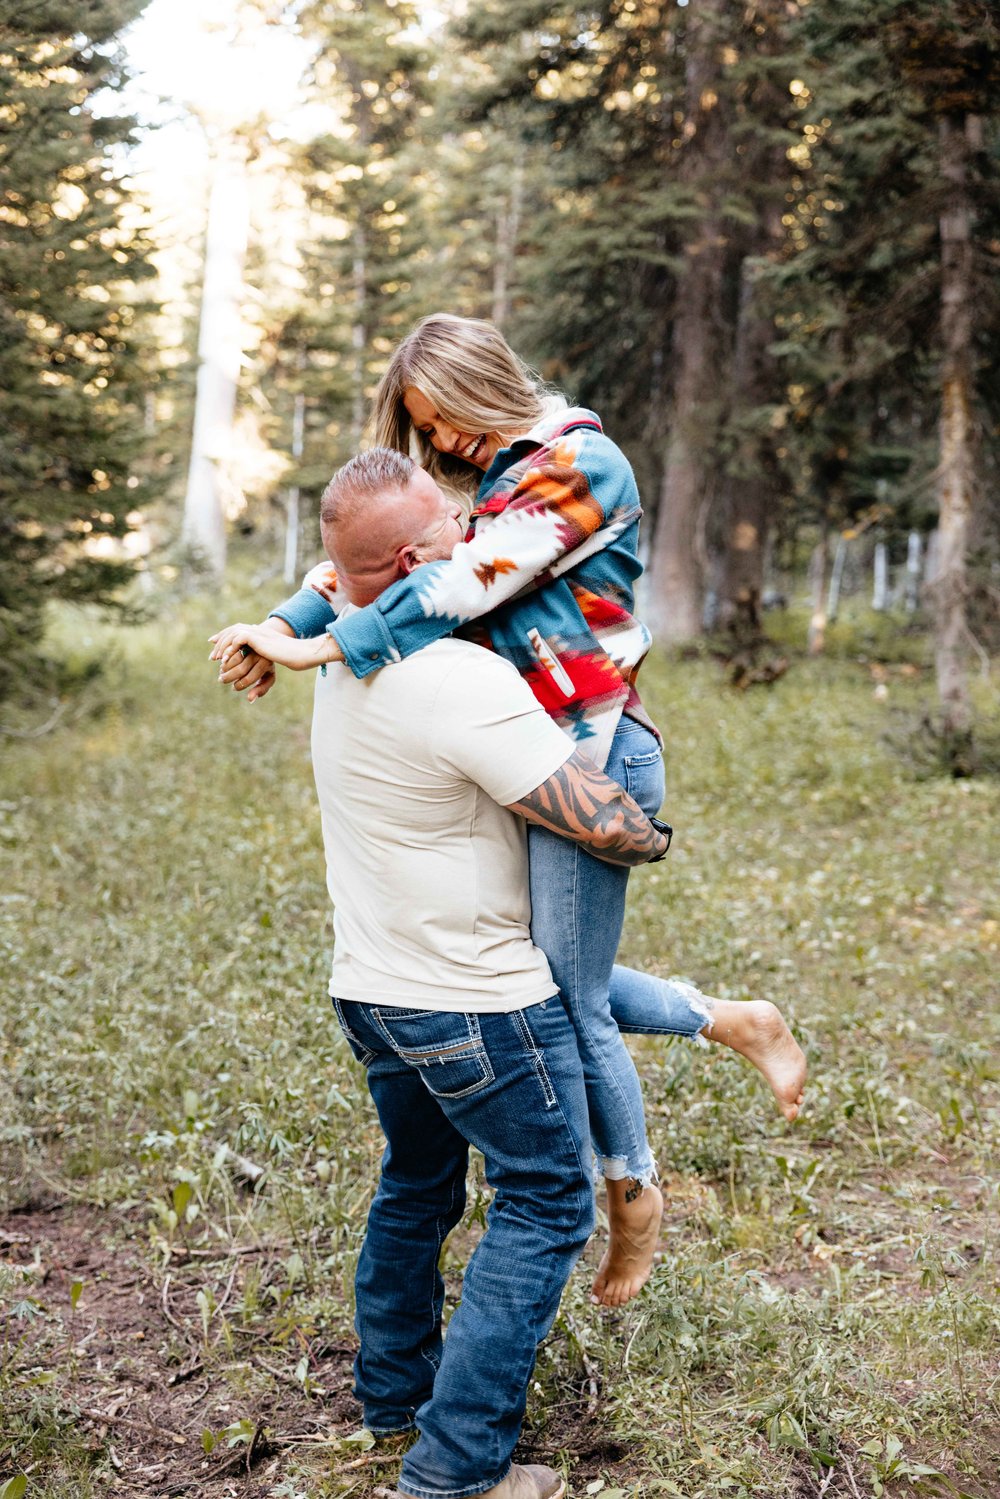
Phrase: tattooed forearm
(582, 803)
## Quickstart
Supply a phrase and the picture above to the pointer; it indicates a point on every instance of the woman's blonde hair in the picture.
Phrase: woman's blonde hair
(467, 369)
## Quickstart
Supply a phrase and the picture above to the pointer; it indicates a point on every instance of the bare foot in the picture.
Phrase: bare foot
(633, 1233)
(756, 1029)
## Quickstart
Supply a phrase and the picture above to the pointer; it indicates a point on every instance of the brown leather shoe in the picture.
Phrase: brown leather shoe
(524, 1481)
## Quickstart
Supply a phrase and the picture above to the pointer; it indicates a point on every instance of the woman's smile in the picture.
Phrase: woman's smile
(479, 449)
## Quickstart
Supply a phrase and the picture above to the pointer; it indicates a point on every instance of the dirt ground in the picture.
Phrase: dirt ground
(129, 1365)
(128, 1360)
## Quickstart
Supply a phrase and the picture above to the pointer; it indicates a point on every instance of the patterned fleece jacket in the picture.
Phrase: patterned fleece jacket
(544, 577)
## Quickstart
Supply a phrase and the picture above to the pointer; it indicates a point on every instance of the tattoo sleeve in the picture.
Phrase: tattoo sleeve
(583, 804)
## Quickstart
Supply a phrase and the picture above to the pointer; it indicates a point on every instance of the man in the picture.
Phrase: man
(445, 1000)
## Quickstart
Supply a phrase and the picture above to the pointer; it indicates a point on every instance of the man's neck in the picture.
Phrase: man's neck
(366, 589)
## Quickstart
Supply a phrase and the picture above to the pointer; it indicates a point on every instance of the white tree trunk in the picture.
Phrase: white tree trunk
(291, 569)
(914, 555)
(959, 135)
(880, 589)
(358, 335)
(817, 592)
(836, 575)
(220, 351)
(508, 232)
(932, 564)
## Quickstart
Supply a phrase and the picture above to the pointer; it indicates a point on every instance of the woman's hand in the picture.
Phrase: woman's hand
(245, 654)
(246, 671)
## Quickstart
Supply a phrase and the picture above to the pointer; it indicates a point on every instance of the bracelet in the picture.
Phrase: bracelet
(668, 833)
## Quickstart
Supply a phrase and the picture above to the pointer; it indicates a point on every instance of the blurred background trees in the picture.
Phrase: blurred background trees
(760, 239)
(73, 371)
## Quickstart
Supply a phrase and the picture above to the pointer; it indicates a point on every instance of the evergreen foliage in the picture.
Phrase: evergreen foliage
(860, 285)
(70, 259)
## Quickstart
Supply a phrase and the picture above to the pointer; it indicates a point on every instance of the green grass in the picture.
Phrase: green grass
(827, 1293)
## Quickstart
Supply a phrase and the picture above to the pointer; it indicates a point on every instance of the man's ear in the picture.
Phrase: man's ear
(407, 559)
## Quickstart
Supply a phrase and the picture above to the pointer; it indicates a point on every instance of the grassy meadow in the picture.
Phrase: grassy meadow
(824, 1317)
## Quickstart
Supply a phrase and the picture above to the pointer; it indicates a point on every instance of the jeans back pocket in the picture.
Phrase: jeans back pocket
(361, 1052)
(645, 781)
(447, 1049)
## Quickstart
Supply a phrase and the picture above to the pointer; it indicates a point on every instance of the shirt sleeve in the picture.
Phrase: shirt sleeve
(489, 727)
(585, 497)
(316, 605)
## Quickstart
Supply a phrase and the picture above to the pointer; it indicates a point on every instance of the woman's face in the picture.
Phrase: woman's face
(477, 448)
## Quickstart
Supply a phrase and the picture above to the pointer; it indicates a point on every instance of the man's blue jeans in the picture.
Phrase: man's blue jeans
(511, 1085)
(577, 913)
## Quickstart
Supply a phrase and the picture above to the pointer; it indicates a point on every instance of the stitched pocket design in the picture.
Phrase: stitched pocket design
(537, 1058)
(447, 1049)
(361, 1051)
(644, 780)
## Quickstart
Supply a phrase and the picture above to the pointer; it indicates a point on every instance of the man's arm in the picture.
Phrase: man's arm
(581, 803)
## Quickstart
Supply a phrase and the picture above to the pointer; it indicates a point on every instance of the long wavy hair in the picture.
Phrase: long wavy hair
(467, 369)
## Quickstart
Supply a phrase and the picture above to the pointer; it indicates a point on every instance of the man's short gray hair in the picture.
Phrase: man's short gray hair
(366, 476)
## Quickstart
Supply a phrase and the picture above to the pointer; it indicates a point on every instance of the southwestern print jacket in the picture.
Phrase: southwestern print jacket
(544, 577)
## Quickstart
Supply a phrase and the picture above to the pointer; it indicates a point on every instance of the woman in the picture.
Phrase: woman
(545, 577)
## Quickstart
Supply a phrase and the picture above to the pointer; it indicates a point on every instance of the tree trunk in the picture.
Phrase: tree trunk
(836, 577)
(959, 136)
(880, 582)
(747, 497)
(507, 235)
(362, 115)
(914, 552)
(817, 594)
(359, 334)
(678, 551)
(291, 567)
(220, 351)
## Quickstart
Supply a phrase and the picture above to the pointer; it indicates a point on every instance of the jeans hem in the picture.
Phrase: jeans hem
(619, 1168)
(479, 1488)
(390, 1431)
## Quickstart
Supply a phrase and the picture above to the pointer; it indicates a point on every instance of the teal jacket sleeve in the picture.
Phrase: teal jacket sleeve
(307, 612)
(316, 605)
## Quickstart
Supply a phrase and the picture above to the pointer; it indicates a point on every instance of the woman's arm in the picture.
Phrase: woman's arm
(275, 645)
(304, 616)
(584, 493)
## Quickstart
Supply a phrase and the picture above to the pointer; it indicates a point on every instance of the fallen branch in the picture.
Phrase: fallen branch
(105, 1418)
(44, 728)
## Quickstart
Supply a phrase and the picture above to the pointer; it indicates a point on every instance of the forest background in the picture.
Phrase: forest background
(762, 241)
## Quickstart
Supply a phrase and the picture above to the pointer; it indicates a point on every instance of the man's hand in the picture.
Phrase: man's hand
(581, 803)
(246, 654)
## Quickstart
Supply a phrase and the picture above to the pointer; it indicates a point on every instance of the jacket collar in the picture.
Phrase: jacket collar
(543, 434)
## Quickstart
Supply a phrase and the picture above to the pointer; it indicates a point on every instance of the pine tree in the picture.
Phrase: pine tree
(892, 313)
(69, 366)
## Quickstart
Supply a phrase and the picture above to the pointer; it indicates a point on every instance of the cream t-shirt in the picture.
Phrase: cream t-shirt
(427, 870)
